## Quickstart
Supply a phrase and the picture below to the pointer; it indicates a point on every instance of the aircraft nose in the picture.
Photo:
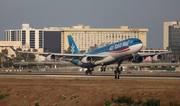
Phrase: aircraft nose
(140, 46)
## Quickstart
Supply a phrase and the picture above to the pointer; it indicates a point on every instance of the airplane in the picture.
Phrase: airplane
(113, 53)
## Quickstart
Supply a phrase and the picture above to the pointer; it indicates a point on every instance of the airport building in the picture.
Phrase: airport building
(86, 37)
(27, 36)
(54, 39)
(172, 35)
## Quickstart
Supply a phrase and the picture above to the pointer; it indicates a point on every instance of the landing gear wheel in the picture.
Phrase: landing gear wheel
(121, 69)
(117, 72)
(103, 68)
(116, 76)
(86, 72)
(89, 70)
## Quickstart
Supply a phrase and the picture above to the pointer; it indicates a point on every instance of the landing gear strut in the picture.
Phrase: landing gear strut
(89, 71)
(118, 70)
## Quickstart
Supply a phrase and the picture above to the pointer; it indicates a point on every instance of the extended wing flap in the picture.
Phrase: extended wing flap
(69, 57)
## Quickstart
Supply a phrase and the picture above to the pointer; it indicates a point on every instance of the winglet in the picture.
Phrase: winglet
(13, 48)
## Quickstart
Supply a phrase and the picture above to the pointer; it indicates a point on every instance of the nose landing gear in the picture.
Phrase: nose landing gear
(103, 68)
(117, 72)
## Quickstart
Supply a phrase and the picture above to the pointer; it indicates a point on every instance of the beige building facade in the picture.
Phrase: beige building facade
(15, 45)
(27, 35)
(7, 44)
(85, 37)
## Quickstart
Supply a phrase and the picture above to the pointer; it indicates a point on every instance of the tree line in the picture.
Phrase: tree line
(6, 60)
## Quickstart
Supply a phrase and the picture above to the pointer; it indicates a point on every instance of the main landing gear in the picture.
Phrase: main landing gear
(89, 71)
(118, 70)
(103, 68)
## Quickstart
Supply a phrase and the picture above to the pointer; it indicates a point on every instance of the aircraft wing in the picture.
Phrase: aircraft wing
(41, 53)
(69, 57)
(79, 55)
(152, 54)
(63, 56)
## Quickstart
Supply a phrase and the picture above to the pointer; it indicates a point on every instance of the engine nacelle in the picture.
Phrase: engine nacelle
(50, 58)
(157, 57)
(86, 60)
(137, 59)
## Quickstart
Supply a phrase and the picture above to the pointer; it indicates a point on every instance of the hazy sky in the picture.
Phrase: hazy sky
(97, 13)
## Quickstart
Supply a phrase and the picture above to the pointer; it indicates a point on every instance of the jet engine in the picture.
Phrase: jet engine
(157, 58)
(50, 58)
(137, 59)
(86, 60)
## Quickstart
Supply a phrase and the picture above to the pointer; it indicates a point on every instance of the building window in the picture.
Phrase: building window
(40, 39)
(12, 35)
(32, 39)
(23, 37)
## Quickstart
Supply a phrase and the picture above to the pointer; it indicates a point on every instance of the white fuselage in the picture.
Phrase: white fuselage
(116, 56)
(113, 56)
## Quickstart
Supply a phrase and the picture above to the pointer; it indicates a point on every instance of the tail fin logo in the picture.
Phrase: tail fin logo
(72, 48)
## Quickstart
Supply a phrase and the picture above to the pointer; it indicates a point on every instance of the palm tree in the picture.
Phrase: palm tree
(19, 56)
(35, 50)
(67, 51)
(3, 53)
(1, 60)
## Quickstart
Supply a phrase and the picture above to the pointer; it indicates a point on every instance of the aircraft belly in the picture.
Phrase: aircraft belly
(105, 60)
(86, 65)
(135, 48)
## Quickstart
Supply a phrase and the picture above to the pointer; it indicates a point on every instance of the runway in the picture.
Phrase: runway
(92, 76)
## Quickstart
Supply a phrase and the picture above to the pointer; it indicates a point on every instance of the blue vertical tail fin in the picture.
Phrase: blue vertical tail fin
(72, 45)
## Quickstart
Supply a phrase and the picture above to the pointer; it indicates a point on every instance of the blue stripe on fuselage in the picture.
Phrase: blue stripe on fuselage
(117, 46)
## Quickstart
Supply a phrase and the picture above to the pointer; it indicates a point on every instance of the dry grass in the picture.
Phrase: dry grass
(26, 91)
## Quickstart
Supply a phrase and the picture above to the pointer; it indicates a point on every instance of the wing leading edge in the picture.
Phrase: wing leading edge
(63, 55)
